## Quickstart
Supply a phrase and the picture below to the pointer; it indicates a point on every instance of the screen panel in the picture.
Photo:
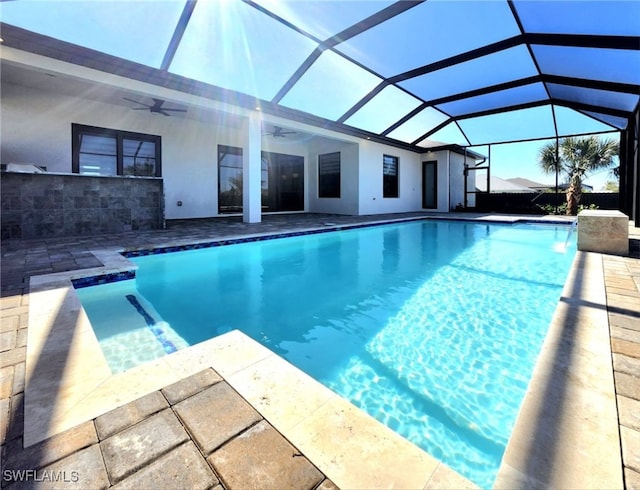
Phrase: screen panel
(504, 98)
(536, 122)
(573, 122)
(237, 47)
(124, 29)
(430, 32)
(504, 66)
(450, 135)
(595, 97)
(326, 18)
(609, 17)
(330, 87)
(611, 65)
(617, 122)
(387, 107)
(418, 125)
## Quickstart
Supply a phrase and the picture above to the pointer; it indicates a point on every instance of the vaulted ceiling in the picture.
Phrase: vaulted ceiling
(413, 73)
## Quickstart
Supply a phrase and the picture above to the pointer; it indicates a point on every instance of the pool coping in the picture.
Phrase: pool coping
(65, 364)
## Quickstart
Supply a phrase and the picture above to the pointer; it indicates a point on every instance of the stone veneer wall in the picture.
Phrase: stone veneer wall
(56, 205)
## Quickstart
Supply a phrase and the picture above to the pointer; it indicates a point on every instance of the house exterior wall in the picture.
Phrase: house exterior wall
(442, 157)
(347, 203)
(36, 128)
(456, 179)
(409, 176)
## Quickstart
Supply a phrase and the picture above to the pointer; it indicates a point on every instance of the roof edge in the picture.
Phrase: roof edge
(460, 150)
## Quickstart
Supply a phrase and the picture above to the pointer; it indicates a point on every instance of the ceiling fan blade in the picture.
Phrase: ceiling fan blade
(279, 132)
(134, 101)
(155, 108)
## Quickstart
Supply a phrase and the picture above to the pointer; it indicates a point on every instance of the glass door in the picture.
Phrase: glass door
(229, 179)
(282, 182)
(430, 185)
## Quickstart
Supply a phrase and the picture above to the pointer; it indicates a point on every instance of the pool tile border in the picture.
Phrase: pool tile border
(85, 282)
(259, 238)
(130, 274)
(316, 231)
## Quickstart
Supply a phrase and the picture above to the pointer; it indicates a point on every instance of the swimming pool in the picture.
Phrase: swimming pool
(432, 327)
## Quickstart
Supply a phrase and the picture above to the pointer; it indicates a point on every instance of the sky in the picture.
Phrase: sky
(512, 160)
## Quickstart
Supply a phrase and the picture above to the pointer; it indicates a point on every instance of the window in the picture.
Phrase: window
(329, 175)
(229, 179)
(389, 176)
(101, 151)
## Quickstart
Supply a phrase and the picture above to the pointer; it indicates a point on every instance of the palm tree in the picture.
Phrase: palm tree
(577, 157)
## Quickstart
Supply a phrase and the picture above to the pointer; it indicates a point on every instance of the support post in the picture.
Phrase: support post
(251, 169)
(557, 169)
(466, 177)
(489, 171)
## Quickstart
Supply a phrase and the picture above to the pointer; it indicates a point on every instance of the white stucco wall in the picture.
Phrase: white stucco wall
(442, 157)
(347, 203)
(32, 129)
(456, 176)
(409, 177)
(456, 179)
(36, 128)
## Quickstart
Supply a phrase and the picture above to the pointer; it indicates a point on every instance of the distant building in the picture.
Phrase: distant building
(538, 187)
(498, 185)
(532, 185)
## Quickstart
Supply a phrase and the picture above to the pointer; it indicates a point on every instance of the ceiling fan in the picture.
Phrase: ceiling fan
(155, 108)
(278, 132)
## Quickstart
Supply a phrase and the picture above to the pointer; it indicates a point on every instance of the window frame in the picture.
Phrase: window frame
(390, 183)
(322, 189)
(77, 130)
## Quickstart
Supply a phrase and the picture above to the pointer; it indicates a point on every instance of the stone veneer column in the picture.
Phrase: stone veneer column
(603, 231)
(251, 170)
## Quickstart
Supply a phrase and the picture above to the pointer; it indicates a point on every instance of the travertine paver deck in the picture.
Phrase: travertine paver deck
(154, 442)
(622, 282)
(184, 461)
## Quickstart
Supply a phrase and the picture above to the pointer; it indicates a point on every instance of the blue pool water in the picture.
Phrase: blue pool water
(432, 327)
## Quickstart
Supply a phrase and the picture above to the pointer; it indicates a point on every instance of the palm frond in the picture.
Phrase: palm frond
(547, 158)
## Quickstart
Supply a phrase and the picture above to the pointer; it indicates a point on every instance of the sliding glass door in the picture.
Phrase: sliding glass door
(281, 176)
(282, 182)
(229, 179)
